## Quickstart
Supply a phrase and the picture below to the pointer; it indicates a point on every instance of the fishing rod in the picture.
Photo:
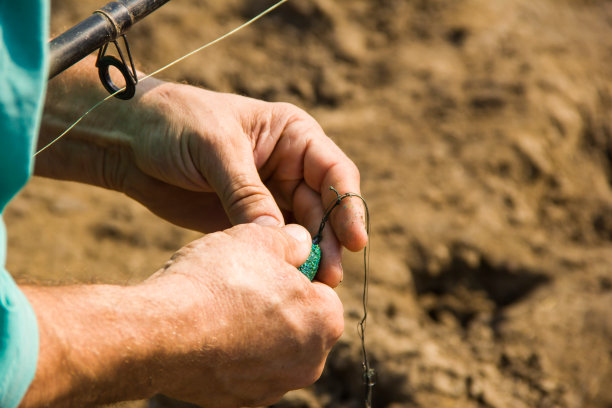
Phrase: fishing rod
(104, 26)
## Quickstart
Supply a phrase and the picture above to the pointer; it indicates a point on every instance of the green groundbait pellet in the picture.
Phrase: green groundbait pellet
(311, 266)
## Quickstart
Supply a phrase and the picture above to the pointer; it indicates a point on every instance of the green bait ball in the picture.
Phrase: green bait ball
(311, 266)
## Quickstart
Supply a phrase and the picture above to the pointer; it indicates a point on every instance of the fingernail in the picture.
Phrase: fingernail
(267, 221)
(297, 232)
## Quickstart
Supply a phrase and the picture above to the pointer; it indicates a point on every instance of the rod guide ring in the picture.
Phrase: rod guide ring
(104, 62)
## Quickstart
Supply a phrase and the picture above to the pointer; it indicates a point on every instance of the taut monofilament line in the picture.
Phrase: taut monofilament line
(176, 61)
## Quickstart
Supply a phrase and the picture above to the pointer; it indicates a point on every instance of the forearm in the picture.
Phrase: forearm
(98, 344)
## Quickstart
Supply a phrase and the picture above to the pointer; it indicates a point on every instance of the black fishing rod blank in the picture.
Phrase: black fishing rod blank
(104, 26)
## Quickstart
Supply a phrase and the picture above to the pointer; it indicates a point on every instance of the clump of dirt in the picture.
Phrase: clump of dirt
(483, 132)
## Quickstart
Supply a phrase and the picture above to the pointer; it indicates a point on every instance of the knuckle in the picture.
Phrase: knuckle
(249, 233)
(335, 328)
(353, 170)
(316, 372)
(290, 109)
(205, 241)
(294, 114)
(243, 193)
(268, 240)
(309, 375)
(333, 318)
(248, 230)
(313, 213)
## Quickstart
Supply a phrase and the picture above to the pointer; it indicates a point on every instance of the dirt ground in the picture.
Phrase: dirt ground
(483, 132)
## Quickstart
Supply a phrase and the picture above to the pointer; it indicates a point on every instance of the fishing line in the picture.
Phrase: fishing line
(369, 374)
(223, 37)
(310, 267)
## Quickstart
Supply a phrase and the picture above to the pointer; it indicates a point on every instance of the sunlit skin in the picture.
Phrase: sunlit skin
(229, 321)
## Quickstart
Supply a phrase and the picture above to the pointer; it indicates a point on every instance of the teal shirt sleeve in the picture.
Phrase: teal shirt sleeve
(18, 342)
(23, 72)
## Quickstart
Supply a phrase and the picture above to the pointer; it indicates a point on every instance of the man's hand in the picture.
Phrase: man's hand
(192, 156)
(271, 329)
(232, 145)
(228, 322)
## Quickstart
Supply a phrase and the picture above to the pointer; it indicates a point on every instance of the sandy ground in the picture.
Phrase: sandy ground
(483, 131)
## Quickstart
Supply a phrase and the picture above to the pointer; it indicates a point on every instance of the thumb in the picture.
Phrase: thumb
(233, 175)
(291, 242)
(298, 244)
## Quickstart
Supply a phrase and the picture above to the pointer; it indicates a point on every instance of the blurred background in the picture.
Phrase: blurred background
(483, 132)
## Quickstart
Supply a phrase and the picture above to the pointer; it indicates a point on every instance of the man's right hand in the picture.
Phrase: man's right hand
(254, 326)
(228, 322)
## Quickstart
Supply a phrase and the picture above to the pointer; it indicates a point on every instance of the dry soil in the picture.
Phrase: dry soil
(483, 132)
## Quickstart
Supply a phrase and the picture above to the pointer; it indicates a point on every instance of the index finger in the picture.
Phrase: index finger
(325, 165)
